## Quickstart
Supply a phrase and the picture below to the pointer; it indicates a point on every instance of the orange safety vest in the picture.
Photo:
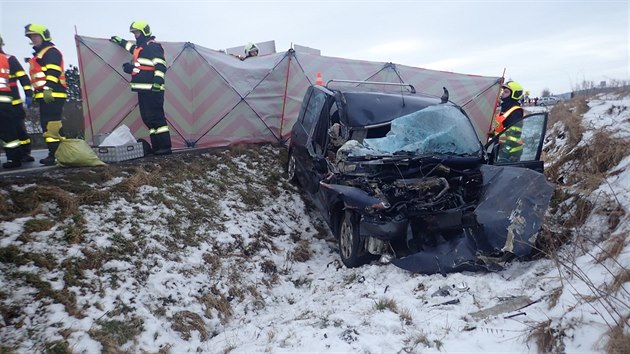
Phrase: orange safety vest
(137, 66)
(38, 74)
(502, 117)
(5, 74)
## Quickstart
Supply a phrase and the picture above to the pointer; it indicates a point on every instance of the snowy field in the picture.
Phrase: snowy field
(191, 267)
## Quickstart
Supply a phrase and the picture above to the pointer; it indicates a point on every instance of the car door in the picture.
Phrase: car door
(532, 136)
(307, 153)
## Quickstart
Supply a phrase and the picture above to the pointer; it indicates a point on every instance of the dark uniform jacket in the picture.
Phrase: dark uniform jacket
(148, 65)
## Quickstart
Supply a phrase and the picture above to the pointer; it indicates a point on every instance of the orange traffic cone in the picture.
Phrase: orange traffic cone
(319, 81)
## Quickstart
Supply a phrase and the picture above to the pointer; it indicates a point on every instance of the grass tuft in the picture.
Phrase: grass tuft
(547, 338)
(185, 322)
(386, 304)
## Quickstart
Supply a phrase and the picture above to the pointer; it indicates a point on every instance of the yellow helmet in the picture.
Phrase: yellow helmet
(517, 90)
(33, 28)
(140, 26)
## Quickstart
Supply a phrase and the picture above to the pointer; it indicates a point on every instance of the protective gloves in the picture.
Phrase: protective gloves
(116, 39)
(48, 95)
(127, 67)
(28, 100)
(156, 87)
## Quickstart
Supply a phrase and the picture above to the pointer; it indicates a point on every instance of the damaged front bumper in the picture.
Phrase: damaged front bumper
(503, 225)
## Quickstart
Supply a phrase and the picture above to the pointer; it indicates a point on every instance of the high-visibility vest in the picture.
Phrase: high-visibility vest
(6, 85)
(502, 117)
(141, 63)
(5, 73)
(38, 73)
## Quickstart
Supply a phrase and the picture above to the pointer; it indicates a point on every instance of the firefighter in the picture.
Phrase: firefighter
(251, 50)
(49, 85)
(147, 69)
(17, 144)
(511, 144)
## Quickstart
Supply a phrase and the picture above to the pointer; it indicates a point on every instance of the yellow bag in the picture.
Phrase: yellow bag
(76, 153)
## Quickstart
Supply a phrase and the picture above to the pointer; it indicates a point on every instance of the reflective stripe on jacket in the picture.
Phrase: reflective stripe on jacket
(15, 73)
(5, 74)
(511, 141)
(41, 76)
(149, 65)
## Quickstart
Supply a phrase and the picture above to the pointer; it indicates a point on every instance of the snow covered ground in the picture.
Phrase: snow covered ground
(175, 257)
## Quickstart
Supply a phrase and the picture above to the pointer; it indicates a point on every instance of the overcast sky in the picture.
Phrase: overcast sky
(554, 44)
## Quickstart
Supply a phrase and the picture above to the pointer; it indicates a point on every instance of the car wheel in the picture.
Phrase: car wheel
(291, 169)
(351, 248)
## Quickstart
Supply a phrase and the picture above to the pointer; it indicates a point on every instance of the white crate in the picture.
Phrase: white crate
(119, 153)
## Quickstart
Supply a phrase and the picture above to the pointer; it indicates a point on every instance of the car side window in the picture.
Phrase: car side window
(313, 110)
(534, 129)
(304, 105)
(311, 118)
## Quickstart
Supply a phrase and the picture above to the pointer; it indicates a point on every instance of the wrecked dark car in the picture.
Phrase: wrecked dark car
(403, 177)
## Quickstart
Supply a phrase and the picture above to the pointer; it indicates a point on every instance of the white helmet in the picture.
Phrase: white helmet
(249, 47)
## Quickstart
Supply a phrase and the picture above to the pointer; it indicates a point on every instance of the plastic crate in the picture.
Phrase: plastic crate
(119, 153)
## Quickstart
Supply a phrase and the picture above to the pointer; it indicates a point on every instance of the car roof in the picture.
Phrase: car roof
(364, 107)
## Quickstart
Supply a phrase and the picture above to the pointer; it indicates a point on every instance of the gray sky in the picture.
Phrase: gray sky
(554, 44)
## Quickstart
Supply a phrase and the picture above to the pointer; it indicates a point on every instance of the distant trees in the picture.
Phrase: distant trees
(73, 80)
(545, 93)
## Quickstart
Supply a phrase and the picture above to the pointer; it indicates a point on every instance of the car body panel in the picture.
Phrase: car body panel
(512, 205)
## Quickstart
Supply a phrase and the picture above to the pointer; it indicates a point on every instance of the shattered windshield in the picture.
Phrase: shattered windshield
(438, 129)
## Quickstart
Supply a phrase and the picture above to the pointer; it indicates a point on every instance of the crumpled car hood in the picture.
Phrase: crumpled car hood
(509, 214)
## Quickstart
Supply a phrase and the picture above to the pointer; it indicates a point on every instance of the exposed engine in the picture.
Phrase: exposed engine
(436, 199)
(431, 188)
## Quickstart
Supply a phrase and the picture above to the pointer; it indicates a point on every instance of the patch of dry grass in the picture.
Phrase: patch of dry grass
(139, 177)
(619, 278)
(302, 251)
(216, 301)
(555, 296)
(570, 114)
(38, 225)
(612, 248)
(44, 289)
(547, 338)
(618, 338)
(112, 334)
(185, 322)
(386, 304)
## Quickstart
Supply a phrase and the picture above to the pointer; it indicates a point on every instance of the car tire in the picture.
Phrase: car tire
(291, 165)
(351, 248)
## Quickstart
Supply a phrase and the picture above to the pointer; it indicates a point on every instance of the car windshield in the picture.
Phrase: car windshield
(439, 129)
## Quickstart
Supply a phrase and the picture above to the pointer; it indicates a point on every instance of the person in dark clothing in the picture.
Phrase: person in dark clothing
(147, 69)
(17, 144)
(49, 84)
(510, 120)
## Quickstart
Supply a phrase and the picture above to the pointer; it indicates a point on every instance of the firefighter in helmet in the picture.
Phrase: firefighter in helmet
(510, 120)
(251, 50)
(16, 142)
(147, 69)
(49, 85)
